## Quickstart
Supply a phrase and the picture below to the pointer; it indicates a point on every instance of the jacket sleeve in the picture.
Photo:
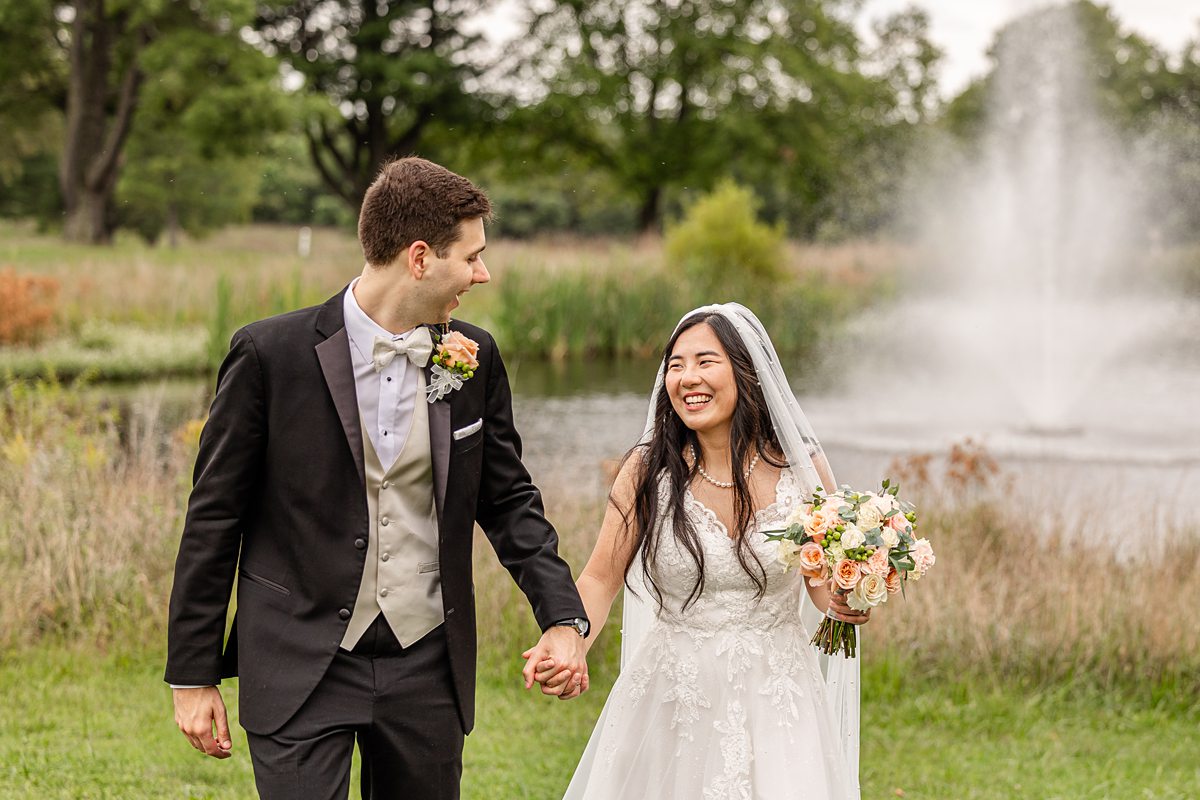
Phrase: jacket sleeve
(511, 513)
(228, 470)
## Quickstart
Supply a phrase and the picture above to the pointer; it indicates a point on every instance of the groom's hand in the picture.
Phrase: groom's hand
(197, 712)
(558, 662)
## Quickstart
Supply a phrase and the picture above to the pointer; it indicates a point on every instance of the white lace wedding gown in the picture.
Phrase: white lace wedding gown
(724, 700)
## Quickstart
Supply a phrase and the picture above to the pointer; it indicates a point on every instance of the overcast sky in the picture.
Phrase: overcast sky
(964, 28)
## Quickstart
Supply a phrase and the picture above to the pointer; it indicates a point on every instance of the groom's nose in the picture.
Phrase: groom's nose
(481, 274)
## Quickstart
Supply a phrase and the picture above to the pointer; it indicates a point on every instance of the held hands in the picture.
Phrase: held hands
(839, 610)
(558, 663)
(197, 711)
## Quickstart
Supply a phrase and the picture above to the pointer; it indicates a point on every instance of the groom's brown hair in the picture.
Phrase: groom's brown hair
(416, 200)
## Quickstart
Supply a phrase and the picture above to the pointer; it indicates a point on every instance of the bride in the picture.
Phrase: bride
(720, 693)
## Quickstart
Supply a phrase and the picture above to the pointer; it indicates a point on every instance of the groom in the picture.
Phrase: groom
(339, 478)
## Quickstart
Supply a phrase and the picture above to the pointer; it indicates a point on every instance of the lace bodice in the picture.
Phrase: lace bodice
(730, 596)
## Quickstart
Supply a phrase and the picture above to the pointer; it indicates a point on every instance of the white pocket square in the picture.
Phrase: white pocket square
(463, 433)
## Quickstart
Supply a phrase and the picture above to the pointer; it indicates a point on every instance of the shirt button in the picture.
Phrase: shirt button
(385, 433)
(383, 592)
(384, 521)
(384, 557)
(389, 380)
(344, 613)
(360, 543)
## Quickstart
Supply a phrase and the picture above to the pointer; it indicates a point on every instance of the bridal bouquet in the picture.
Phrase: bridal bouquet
(862, 543)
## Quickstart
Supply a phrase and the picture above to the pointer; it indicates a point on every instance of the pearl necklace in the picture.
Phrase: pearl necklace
(714, 481)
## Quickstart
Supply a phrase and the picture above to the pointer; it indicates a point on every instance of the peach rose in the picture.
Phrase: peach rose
(820, 580)
(877, 563)
(893, 581)
(898, 523)
(846, 573)
(820, 522)
(459, 349)
(812, 559)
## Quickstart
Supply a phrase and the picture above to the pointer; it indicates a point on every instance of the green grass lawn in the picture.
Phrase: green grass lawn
(74, 725)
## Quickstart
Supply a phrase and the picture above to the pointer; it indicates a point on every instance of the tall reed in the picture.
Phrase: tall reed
(90, 515)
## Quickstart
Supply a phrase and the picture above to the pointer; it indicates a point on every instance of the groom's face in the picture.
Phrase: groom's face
(447, 279)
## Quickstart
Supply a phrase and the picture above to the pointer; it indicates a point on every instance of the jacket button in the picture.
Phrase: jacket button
(384, 485)
(344, 613)
(384, 521)
(360, 543)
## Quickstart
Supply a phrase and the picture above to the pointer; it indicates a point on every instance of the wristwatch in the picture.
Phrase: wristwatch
(580, 625)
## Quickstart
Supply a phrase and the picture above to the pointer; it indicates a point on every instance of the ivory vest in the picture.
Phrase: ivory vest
(401, 577)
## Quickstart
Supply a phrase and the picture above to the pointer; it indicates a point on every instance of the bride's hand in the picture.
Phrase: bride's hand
(839, 610)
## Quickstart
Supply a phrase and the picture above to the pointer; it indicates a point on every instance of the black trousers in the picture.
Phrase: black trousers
(399, 706)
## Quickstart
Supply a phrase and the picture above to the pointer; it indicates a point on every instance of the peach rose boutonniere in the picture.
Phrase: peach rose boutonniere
(455, 359)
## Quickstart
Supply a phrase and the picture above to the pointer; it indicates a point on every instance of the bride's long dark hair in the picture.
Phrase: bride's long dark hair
(751, 432)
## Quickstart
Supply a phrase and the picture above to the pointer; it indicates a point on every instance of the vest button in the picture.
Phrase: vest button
(385, 485)
(383, 521)
(344, 613)
(383, 592)
(384, 557)
(360, 543)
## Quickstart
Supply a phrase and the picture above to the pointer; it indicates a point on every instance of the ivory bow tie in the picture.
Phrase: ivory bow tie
(418, 346)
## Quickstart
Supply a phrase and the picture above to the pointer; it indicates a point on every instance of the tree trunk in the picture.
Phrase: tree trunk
(648, 215)
(94, 140)
(87, 218)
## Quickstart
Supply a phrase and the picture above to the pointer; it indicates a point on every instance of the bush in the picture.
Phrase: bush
(720, 241)
(26, 307)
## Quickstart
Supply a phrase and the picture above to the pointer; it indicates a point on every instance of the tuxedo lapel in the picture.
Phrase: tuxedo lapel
(334, 355)
(439, 445)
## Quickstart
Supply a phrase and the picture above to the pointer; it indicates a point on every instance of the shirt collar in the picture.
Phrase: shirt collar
(361, 329)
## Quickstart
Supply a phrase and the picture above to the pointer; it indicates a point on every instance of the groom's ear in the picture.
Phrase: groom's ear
(417, 258)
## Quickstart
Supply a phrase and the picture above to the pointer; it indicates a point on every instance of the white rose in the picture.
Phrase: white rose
(870, 592)
(799, 516)
(788, 553)
(869, 517)
(890, 538)
(884, 503)
(853, 538)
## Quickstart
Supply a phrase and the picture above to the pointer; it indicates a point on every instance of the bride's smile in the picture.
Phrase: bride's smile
(700, 382)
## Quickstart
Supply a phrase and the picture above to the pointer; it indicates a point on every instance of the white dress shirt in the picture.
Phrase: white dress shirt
(385, 397)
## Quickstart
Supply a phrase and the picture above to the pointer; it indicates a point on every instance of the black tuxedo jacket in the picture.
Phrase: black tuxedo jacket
(279, 499)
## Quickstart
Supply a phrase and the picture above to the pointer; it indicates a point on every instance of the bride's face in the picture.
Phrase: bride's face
(699, 380)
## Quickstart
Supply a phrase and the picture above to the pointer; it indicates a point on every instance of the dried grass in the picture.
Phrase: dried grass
(89, 522)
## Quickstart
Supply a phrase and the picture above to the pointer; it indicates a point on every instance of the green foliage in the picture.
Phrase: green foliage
(388, 79)
(111, 352)
(720, 241)
(572, 313)
(193, 162)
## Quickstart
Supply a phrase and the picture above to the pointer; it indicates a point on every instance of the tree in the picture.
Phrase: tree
(673, 94)
(107, 43)
(201, 124)
(391, 76)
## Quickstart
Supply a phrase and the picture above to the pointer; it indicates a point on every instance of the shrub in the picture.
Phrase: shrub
(721, 242)
(27, 305)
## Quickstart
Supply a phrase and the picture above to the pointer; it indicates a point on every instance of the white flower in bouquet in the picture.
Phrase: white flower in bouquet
(853, 537)
(869, 517)
(789, 552)
(835, 552)
(890, 538)
(868, 593)
(799, 516)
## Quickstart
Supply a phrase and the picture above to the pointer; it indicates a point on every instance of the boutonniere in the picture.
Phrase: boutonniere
(454, 362)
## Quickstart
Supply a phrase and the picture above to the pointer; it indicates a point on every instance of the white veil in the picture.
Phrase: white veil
(800, 445)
